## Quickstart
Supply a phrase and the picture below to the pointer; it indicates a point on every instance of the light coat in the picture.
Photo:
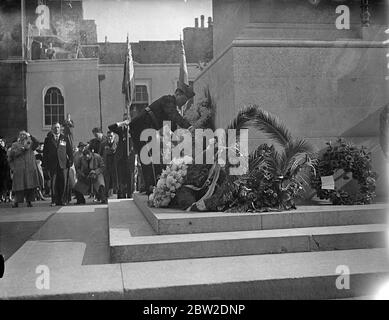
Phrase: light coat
(22, 162)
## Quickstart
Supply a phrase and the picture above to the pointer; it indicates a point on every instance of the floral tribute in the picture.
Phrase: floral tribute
(274, 179)
(170, 181)
(346, 158)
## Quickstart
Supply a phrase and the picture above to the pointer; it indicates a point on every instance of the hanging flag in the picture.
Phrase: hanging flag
(128, 85)
(183, 76)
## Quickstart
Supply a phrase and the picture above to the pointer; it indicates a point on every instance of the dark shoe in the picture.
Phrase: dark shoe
(29, 204)
(15, 205)
(105, 201)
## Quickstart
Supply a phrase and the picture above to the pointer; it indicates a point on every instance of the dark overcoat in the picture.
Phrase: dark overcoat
(164, 109)
(57, 153)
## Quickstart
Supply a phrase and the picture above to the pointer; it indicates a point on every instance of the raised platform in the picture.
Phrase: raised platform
(132, 239)
(299, 263)
(308, 275)
(170, 221)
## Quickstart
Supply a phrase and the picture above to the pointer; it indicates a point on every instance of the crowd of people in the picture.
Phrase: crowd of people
(31, 170)
(106, 165)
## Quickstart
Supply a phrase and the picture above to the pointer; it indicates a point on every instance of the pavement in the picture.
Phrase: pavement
(71, 245)
(87, 224)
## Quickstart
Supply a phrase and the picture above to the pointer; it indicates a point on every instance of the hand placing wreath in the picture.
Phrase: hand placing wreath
(346, 161)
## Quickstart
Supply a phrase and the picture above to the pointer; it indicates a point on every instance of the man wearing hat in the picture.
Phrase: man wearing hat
(163, 109)
(78, 154)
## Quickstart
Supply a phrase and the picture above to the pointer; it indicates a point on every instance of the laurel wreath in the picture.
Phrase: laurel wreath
(351, 159)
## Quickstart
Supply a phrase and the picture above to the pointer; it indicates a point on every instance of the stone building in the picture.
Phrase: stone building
(83, 68)
(290, 58)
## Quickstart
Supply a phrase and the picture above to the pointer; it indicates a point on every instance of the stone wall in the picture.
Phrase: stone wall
(12, 104)
(78, 81)
(283, 18)
(217, 78)
(88, 32)
(229, 17)
(198, 44)
(289, 58)
(10, 33)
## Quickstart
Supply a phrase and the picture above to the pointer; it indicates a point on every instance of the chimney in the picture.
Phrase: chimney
(196, 22)
(202, 21)
(209, 22)
(106, 39)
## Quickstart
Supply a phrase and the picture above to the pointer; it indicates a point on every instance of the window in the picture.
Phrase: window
(54, 107)
(141, 100)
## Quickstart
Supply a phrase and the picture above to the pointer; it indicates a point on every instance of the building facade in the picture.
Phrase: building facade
(291, 59)
(37, 89)
(58, 87)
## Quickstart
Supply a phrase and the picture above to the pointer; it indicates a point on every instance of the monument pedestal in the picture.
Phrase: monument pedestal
(170, 254)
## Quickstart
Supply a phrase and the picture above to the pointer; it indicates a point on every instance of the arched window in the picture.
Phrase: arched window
(54, 107)
(141, 100)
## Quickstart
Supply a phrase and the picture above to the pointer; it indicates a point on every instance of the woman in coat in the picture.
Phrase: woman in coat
(5, 177)
(23, 165)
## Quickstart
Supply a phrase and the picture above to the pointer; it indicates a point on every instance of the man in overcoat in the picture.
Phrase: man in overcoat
(57, 159)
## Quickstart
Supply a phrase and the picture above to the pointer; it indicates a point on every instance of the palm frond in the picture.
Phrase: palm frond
(273, 163)
(304, 180)
(244, 119)
(211, 105)
(271, 125)
(295, 147)
(256, 157)
(294, 154)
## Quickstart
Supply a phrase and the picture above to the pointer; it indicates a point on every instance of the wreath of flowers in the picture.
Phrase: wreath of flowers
(351, 159)
(170, 181)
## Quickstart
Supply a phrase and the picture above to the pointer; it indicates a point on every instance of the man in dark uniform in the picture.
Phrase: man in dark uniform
(57, 158)
(125, 159)
(163, 109)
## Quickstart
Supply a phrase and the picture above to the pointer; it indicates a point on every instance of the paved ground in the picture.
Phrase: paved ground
(87, 224)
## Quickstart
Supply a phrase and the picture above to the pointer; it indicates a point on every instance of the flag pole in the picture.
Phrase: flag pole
(23, 27)
(128, 100)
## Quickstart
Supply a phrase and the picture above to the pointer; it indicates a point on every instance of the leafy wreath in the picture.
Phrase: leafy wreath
(352, 159)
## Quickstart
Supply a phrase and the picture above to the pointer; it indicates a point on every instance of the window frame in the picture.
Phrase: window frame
(44, 92)
(147, 84)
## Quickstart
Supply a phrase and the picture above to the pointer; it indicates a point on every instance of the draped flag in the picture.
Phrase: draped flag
(183, 76)
(128, 86)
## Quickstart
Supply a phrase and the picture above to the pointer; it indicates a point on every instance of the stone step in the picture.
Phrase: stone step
(221, 244)
(132, 239)
(308, 275)
(170, 221)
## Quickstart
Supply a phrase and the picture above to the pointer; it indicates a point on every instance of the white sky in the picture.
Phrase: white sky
(144, 19)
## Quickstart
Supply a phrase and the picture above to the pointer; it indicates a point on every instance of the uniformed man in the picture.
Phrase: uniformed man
(163, 109)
